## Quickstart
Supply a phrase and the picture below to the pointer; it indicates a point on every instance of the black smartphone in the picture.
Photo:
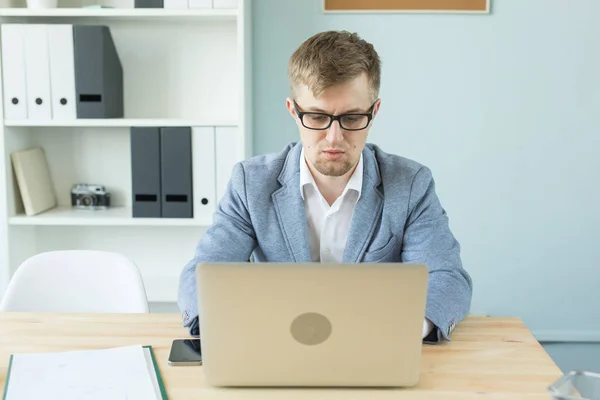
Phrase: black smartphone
(185, 352)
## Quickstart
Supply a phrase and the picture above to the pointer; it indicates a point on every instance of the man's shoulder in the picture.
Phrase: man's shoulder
(270, 161)
(401, 177)
(393, 164)
(265, 169)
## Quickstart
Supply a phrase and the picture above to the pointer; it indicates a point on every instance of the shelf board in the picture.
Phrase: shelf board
(155, 14)
(115, 216)
(116, 122)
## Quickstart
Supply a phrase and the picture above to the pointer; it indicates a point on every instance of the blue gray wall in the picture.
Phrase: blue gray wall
(505, 109)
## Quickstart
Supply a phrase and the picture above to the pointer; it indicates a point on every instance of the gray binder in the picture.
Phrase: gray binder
(176, 172)
(145, 172)
(98, 73)
(148, 4)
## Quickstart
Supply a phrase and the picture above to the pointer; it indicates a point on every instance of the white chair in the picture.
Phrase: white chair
(76, 281)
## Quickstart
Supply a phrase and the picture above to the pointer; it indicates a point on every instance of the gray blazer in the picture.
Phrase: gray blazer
(398, 218)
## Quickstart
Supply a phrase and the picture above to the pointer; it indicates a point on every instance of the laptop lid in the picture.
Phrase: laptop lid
(280, 324)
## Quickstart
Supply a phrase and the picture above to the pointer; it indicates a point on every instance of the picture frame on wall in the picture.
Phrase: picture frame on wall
(407, 6)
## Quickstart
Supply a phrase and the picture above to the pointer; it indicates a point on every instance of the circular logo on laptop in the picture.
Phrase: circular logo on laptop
(311, 328)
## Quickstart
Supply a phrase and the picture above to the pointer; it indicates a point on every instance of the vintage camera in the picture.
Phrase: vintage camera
(89, 197)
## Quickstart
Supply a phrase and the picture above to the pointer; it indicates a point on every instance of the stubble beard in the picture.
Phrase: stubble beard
(332, 168)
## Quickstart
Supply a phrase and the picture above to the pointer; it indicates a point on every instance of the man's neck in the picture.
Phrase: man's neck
(331, 187)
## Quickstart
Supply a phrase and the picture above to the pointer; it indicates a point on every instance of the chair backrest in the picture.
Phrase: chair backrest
(86, 281)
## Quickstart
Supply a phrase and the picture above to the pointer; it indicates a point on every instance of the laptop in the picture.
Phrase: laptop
(312, 324)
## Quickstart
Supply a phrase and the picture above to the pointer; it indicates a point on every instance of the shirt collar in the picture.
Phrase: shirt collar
(355, 182)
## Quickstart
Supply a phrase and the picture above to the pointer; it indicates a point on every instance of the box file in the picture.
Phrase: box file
(203, 173)
(176, 172)
(200, 3)
(145, 172)
(62, 71)
(13, 71)
(37, 72)
(148, 3)
(227, 153)
(225, 3)
(175, 4)
(98, 73)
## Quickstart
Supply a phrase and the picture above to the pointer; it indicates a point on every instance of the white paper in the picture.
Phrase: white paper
(118, 374)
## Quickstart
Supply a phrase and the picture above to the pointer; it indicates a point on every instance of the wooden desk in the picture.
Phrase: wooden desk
(488, 358)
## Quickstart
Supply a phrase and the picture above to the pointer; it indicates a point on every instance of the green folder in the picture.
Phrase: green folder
(161, 384)
(7, 378)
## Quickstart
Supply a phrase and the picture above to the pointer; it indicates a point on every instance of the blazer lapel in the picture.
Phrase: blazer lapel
(289, 208)
(367, 212)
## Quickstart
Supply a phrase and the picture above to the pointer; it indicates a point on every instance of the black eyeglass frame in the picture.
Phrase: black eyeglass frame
(337, 118)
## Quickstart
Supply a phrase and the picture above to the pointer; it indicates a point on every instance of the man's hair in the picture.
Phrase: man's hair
(334, 57)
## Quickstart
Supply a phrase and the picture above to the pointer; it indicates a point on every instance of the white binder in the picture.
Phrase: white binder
(37, 72)
(225, 3)
(175, 4)
(200, 3)
(203, 174)
(228, 153)
(13, 71)
(62, 71)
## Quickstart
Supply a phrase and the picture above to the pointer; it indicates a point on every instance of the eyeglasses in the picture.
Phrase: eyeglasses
(348, 122)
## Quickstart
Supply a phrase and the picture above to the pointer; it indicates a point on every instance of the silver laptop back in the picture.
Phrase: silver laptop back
(280, 324)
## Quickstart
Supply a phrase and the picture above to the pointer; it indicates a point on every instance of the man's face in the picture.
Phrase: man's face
(334, 151)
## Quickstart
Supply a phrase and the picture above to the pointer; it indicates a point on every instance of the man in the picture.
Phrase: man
(333, 198)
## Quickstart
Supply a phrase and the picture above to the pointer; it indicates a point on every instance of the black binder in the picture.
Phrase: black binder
(98, 73)
(145, 172)
(176, 172)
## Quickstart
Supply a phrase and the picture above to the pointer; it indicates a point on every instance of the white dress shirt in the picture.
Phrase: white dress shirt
(328, 226)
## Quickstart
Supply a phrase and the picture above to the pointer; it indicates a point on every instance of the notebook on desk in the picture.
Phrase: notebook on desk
(127, 372)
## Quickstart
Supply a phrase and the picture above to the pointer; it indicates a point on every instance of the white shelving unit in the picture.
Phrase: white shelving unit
(133, 14)
(181, 67)
(115, 216)
(118, 123)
